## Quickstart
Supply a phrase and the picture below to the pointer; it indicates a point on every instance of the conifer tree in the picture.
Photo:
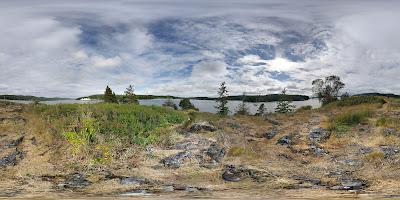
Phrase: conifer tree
(222, 100)
(109, 96)
(284, 105)
(261, 110)
(130, 96)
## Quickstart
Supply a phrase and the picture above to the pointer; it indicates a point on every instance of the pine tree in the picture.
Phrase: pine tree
(284, 105)
(261, 110)
(242, 109)
(222, 100)
(130, 96)
(109, 96)
(185, 104)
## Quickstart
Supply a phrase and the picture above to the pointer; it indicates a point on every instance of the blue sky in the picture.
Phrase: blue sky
(186, 47)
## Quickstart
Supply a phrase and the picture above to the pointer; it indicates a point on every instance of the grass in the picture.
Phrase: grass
(356, 100)
(81, 123)
(343, 122)
(304, 108)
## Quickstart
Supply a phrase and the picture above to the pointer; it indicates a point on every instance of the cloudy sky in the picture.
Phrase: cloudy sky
(186, 47)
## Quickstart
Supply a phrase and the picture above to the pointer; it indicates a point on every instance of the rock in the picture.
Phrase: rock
(351, 162)
(318, 151)
(202, 126)
(314, 181)
(175, 161)
(350, 184)
(390, 131)
(11, 159)
(319, 135)
(285, 140)
(216, 152)
(389, 151)
(132, 180)
(75, 180)
(232, 174)
(365, 150)
(191, 189)
(15, 143)
(271, 134)
(168, 188)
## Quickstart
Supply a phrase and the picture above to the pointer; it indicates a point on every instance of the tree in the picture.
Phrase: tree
(261, 110)
(242, 109)
(130, 96)
(109, 96)
(185, 104)
(222, 100)
(170, 103)
(327, 90)
(284, 105)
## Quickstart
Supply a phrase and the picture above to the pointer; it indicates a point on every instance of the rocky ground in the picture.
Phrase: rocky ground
(278, 153)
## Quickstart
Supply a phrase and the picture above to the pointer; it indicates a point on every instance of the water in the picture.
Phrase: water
(209, 105)
(202, 105)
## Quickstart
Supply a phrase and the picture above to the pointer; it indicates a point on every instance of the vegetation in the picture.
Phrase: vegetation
(284, 105)
(259, 98)
(261, 110)
(185, 104)
(130, 97)
(170, 103)
(109, 96)
(29, 98)
(304, 108)
(242, 109)
(327, 90)
(82, 124)
(222, 100)
(344, 121)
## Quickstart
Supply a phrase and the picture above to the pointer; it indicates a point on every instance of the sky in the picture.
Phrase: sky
(188, 47)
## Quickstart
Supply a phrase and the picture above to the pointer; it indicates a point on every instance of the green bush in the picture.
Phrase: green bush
(343, 122)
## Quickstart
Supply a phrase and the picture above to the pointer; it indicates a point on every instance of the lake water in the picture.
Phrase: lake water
(202, 105)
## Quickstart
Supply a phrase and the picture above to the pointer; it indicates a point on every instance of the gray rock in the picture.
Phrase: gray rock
(315, 181)
(132, 180)
(390, 131)
(216, 152)
(75, 180)
(168, 188)
(350, 184)
(389, 151)
(365, 150)
(285, 140)
(232, 174)
(318, 151)
(11, 159)
(271, 134)
(236, 174)
(351, 162)
(175, 161)
(319, 135)
(202, 126)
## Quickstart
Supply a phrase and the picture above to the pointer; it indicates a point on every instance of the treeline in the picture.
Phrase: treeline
(138, 96)
(28, 98)
(259, 98)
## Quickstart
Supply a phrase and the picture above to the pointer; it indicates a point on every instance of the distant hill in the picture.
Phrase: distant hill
(247, 98)
(29, 98)
(379, 94)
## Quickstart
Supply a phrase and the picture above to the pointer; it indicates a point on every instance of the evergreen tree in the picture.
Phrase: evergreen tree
(130, 96)
(109, 96)
(222, 100)
(284, 105)
(261, 110)
(242, 109)
(185, 104)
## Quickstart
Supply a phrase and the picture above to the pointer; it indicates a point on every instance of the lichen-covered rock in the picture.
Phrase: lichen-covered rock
(285, 140)
(202, 126)
(271, 134)
(216, 152)
(176, 161)
(319, 135)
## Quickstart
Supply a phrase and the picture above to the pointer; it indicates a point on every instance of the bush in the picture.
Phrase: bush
(343, 122)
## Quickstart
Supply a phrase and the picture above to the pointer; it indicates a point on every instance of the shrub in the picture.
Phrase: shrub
(343, 122)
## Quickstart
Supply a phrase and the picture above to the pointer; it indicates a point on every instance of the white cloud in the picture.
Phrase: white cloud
(101, 61)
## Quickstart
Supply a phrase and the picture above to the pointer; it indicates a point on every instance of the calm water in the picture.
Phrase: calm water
(202, 105)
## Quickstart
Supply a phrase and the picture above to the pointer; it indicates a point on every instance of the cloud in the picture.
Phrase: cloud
(188, 48)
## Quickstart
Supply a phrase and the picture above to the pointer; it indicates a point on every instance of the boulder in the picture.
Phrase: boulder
(216, 152)
(285, 140)
(202, 126)
(319, 135)
(175, 161)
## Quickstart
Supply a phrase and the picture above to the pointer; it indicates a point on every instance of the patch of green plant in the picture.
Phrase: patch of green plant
(345, 121)
(357, 100)
(236, 151)
(84, 133)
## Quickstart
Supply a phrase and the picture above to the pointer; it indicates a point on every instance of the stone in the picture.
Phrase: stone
(216, 152)
(232, 174)
(389, 151)
(271, 134)
(175, 161)
(390, 131)
(168, 188)
(365, 150)
(318, 151)
(285, 140)
(132, 180)
(319, 135)
(236, 174)
(11, 159)
(202, 126)
(350, 184)
(75, 180)
(314, 181)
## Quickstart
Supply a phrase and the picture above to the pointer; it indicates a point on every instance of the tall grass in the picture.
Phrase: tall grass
(136, 123)
(356, 100)
(345, 121)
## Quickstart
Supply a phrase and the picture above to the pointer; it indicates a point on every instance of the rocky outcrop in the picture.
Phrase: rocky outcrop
(74, 181)
(234, 173)
(350, 184)
(216, 152)
(202, 126)
(319, 135)
(11, 159)
(176, 161)
(285, 140)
